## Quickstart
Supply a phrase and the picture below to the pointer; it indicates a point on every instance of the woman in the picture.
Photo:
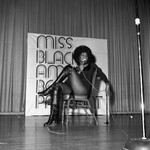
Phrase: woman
(73, 80)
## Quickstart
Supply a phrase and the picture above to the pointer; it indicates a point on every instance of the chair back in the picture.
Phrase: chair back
(78, 88)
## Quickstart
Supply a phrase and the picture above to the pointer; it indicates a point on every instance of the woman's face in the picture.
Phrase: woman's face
(83, 58)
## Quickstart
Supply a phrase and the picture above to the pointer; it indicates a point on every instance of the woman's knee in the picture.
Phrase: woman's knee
(57, 88)
(63, 88)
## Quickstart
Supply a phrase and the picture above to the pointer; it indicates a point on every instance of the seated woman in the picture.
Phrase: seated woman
(73, 80)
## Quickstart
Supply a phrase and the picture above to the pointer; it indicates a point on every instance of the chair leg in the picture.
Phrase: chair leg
(63, 112)
(86, 113)
(67, 113)
(67, 117)
(92, 113)
(95, 119)
(85, 109)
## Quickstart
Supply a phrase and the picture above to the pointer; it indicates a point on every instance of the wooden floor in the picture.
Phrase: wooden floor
(27, 133)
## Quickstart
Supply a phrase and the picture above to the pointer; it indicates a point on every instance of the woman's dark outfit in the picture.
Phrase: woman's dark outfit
(70, 81)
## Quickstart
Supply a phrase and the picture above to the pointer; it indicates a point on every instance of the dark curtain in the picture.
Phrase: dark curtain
(113, 20)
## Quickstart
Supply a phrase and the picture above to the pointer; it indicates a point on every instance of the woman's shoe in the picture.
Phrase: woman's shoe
(52, 116)
(50, 121)
(46, 91)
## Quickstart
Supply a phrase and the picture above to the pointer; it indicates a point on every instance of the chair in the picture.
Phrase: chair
(80, 102)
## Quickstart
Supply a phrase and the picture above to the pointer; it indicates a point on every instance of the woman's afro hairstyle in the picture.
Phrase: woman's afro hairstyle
(79, 50)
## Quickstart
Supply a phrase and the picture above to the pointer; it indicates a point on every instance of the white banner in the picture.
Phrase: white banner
(47, 55)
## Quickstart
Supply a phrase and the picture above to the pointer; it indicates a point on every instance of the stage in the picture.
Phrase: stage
(18, 132)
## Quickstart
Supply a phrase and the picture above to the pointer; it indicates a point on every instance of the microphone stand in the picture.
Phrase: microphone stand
(139, 143)
(137, 22)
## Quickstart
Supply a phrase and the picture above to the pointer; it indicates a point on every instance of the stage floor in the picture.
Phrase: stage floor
(18, 132)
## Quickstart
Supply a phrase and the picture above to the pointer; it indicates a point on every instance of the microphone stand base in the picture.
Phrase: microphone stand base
(137, 144)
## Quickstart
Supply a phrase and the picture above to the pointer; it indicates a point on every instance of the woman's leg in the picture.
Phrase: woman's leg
(76, 83)
(64, 74)
(56, 102)
(55, 94)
